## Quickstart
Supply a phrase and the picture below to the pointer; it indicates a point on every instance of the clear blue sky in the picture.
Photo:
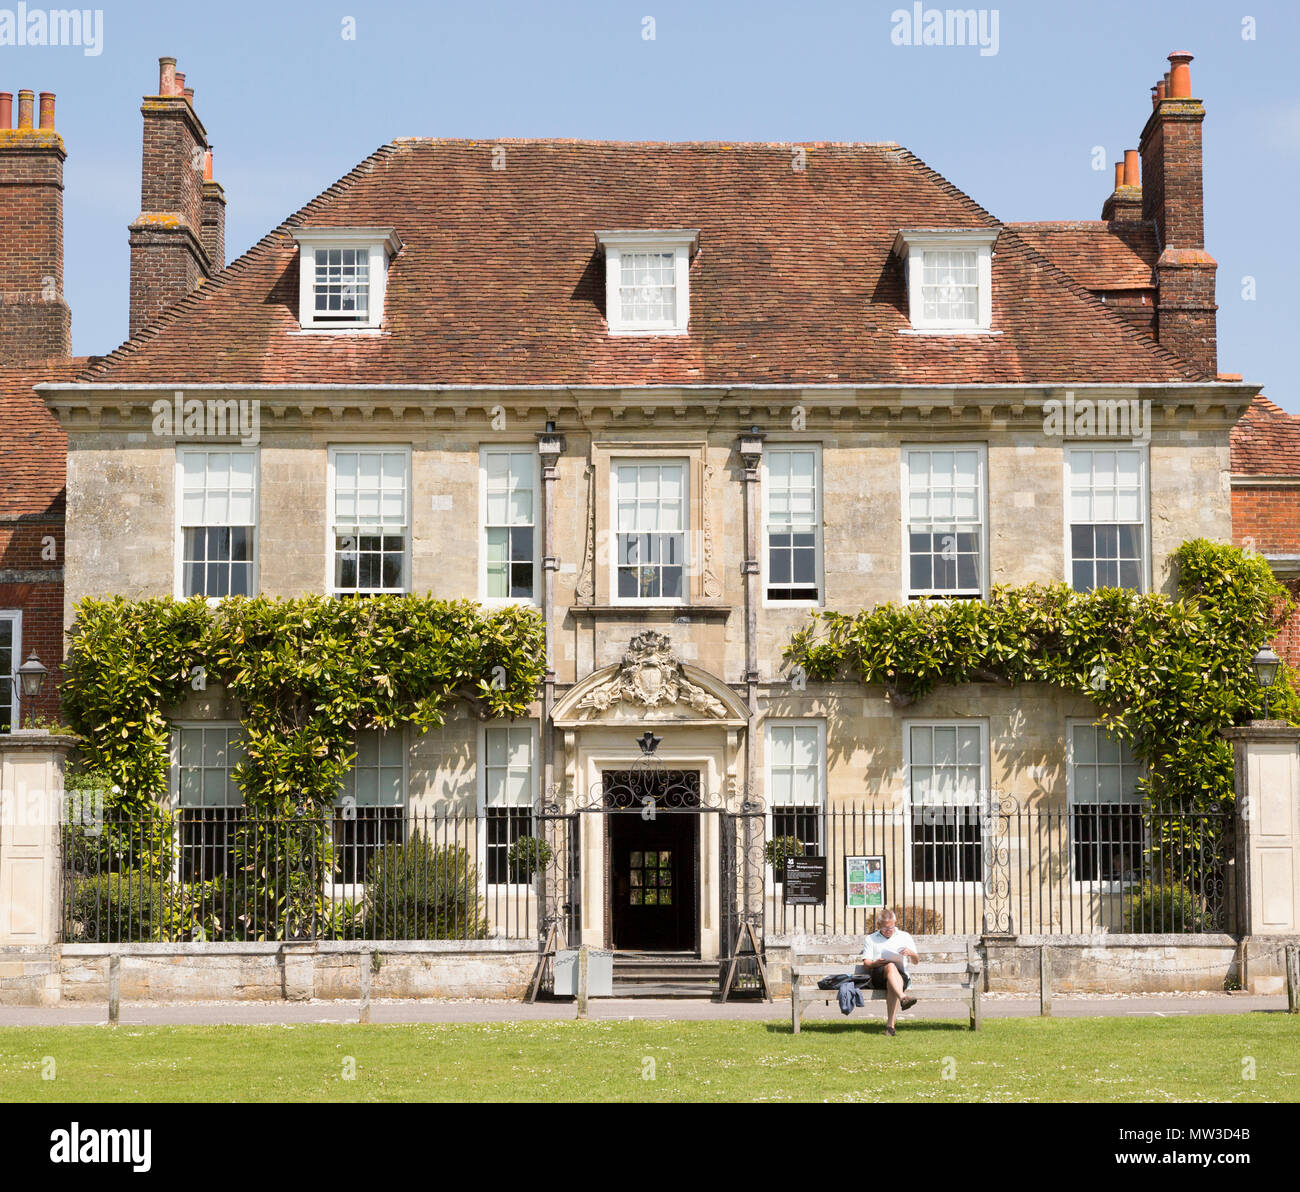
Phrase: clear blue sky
(291, 105)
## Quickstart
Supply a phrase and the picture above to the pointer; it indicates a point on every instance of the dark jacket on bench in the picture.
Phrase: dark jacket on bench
(849, 987)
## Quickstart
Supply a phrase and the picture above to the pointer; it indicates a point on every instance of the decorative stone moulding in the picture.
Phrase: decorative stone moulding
(838, 408)
(650, 676)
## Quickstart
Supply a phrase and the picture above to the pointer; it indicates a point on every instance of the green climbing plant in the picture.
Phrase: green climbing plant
(309, 674)
(1167, 674)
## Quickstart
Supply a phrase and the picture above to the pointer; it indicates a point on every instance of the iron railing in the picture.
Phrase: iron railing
(217, 874)
(999, 868)
(221, 874)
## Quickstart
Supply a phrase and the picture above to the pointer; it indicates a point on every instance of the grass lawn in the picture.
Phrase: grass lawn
(1101, 1059)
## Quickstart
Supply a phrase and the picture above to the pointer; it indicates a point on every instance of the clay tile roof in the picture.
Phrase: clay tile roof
(498, 280)
(1098, 255)
(1266, 441)
(33, 447)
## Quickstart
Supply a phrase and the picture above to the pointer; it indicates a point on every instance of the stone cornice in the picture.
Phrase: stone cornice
(923, 409)
(1263, 730)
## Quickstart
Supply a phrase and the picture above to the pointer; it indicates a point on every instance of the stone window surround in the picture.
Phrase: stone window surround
(764, 730)
(355, 890)
(700, 585)
(15, 617)
(207, 448)
(482, 806)
(905, 564)
(909, 723)
(1072, 723)
(770, 446)
(1144, 485)
(519, 448)
(330, 544)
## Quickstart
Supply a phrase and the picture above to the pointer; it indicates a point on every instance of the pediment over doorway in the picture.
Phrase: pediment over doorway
(650, 684)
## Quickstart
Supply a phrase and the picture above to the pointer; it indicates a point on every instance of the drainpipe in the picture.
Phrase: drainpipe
(750, 447)
(550, 447)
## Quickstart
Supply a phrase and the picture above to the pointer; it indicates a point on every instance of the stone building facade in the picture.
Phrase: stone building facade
(679, 397)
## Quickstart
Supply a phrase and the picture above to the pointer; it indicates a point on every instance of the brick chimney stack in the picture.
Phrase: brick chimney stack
(214, 217)
(1173, 202)
(35, 323)
(1125, 204)
(178, 239)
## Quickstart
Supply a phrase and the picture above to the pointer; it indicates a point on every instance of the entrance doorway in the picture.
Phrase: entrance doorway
(654, 861)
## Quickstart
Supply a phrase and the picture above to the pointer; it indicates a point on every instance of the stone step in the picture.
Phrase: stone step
(664, 989)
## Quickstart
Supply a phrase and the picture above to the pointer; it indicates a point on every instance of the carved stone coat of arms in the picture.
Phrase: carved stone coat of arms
(651, 675)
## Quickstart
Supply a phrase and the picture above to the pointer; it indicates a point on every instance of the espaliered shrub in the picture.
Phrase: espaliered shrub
(1168, 675)
(309, 673)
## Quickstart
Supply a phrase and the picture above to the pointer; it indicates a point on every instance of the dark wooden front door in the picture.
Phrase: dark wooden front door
(653, 872)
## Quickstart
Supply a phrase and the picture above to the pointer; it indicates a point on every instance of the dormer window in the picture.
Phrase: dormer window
(949, 278)
(647, 280)
(342, 276)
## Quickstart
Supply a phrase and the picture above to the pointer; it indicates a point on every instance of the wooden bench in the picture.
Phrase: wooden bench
(960, 980)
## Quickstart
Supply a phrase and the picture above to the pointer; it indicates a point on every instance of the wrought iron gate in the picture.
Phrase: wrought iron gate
(650, 787)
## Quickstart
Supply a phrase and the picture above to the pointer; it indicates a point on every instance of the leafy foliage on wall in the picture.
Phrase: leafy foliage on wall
(1167, 674)
(309, 673)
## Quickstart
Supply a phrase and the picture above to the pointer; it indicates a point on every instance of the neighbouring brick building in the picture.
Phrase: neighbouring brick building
(1266, 501)
(675, 396)
(177, 241)
(35, 345)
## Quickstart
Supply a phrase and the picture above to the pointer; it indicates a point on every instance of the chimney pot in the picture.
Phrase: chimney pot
(1161, 88)
(47, 109)
(207, 165)
(1119, 174)
(164, 265)
(6, 109)
(189, 96)
(25, 100)
(1132, 168)
(1180, 76)
(1155, 97)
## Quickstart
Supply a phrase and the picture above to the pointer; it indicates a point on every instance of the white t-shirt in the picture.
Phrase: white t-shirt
(877, 945)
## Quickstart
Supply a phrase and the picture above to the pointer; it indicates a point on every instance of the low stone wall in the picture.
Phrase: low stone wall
(502, 968)
(1266, 962)
(29, 976)
(1076, 963)
(299, 972)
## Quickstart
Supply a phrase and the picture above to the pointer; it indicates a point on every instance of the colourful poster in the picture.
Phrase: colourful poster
(864, 882)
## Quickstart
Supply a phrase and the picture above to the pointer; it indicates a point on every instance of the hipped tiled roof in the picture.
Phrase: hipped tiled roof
(1098, 255)
(1266, 441)
(499, 281)
(33, 447)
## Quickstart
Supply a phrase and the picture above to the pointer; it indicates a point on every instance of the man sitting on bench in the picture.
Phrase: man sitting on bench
(886, 955)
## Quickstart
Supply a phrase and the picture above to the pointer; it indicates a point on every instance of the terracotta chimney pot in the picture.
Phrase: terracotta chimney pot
(207, 165)
(47, 109)
(166, 76)
(1132, 168)
(1180, 76)
(1119, 174)
(6, 109)
(25, 101)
